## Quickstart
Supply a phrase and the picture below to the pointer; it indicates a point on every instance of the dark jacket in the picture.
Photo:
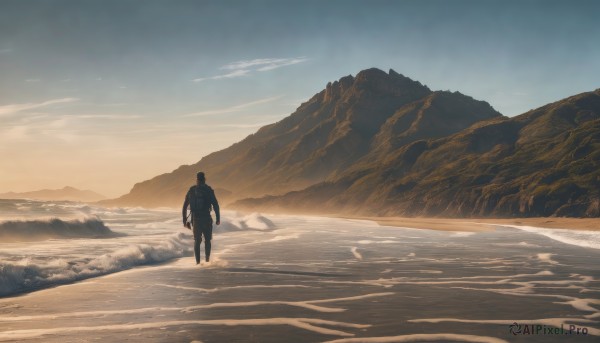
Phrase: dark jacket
(212, 200)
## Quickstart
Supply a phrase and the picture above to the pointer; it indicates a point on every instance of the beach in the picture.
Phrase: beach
(300, 278)
(475, 224)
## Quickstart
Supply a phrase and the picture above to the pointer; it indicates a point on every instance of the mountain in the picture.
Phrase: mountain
(66, 193)
(545, 162)
(356, 119)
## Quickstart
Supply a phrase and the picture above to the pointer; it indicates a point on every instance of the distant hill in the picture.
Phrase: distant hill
(544, 162)
(66, 193)
(353, 121)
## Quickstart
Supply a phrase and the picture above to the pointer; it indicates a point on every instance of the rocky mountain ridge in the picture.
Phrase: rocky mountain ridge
(545, 162)
(357, 118)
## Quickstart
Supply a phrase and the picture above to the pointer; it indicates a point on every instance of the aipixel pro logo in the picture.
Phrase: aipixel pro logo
(538, 329)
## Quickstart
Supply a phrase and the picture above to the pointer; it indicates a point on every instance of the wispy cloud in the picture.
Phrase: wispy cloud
(66, 127)
(246, 67)
(235, 108)
(264, 64)
(14, 108)
(235, 73)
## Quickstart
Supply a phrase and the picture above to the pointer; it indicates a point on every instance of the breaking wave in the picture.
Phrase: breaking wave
(586, 239)
(24, 275)
(254, 221)
(37, 230)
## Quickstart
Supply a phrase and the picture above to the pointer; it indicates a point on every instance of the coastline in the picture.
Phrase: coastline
(357, 281)
(475, 224)
(452, 224)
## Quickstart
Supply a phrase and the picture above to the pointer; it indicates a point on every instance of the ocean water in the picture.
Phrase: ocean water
(44, 244)
(308, 279)
(34, 253)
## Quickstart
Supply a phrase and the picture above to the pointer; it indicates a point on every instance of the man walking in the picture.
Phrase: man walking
(201, 198)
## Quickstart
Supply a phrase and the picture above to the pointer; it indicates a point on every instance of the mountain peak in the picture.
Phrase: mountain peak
(351, 118)
(371, 73)
(393, 82)
(375, 74)
(337, 88)
(392, 72)
(376, 81)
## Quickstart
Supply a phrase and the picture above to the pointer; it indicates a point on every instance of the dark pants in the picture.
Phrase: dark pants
(202, 227)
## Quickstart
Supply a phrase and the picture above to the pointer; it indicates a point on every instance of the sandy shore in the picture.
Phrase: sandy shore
(317, 279)
(474, 224)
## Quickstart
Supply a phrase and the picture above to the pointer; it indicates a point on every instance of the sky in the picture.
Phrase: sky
(104, 94)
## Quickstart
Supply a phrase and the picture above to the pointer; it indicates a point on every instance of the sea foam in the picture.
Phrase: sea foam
(23, 275)
(36, 230)
(586, 239)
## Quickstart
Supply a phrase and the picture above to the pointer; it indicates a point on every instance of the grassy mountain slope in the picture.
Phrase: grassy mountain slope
(352, 120)
(541, 163)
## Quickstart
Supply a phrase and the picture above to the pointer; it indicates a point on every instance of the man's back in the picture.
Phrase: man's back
(201, 199)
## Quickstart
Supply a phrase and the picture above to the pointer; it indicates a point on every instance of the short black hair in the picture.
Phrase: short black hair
(200, 177)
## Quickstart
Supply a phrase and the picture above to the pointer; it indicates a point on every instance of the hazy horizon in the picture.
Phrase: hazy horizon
(101, 95)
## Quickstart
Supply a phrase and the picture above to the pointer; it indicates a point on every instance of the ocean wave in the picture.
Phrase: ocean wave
(37, 230)
(586, 239)
(24, 275)
(254, 221)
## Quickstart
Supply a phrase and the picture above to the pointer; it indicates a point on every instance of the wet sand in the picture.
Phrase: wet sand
(309, 279)
(475, 224)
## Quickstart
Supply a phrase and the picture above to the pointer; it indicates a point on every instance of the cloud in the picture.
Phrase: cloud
(264, 63)
(235, 108)
(235, 73)
(69, 128)
(14, 108)
(245, 67)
